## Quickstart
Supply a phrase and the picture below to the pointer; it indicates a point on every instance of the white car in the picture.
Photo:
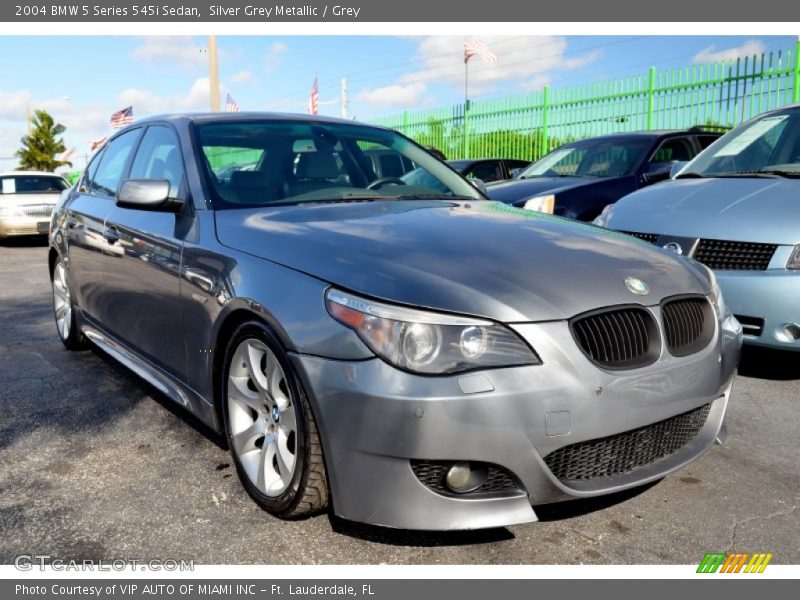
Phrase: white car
(27, 199)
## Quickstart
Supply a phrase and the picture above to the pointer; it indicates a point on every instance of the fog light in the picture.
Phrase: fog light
(788, 332)
(462, 477)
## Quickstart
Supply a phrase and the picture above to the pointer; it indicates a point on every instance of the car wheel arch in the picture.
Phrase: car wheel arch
(228, 324)
(52, 257)
(227, 329)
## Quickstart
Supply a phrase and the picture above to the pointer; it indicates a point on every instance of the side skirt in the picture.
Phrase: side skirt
(172, 388)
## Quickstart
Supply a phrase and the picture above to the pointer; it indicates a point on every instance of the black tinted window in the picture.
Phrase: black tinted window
(112, 165)
(675, 149)
(486, 171)
(159, 157)
(706, 140)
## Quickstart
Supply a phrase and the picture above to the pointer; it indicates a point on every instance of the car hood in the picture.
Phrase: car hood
(747, 210)
(481, 258)
(522, 189)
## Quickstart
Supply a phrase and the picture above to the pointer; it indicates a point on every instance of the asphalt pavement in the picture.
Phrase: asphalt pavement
(96, 464)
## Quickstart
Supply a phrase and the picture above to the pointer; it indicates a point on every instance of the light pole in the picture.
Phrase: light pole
(213, 72)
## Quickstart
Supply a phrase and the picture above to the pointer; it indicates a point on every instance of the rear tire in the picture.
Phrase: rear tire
(269, 426)
(64, 310)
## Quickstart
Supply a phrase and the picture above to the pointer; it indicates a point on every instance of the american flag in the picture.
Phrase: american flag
(95, 144)
(230, 105)
(313, 100)
(122, 117)
(478, 48)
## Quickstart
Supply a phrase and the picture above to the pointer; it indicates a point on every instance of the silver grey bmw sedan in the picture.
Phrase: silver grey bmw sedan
(412, 355)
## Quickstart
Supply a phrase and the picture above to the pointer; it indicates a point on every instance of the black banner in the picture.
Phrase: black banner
(371, 11)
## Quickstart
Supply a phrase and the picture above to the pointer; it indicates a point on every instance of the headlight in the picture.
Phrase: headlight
(544, 204)
(601, 220)
(715, 297)
(794, 259)
(427, 342)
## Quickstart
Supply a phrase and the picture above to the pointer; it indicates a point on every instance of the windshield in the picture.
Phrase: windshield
(260, 163)
(32, 184)
(601, 158)
(769, 145)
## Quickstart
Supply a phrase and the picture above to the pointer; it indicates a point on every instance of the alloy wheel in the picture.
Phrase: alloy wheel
(62, 301)
(263, 422)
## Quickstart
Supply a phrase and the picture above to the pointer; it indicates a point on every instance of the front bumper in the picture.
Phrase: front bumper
(374, 419)
(767, 301)
(14, 226)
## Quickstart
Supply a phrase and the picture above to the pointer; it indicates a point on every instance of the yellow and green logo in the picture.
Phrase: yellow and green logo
(734, 562)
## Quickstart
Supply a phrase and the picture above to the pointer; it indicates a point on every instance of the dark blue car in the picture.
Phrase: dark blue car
(579, 179)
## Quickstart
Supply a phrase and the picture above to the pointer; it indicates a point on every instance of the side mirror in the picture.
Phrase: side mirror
(677, 167)
(514, 173)
(147, 194)
(479, 184)
(657, 172)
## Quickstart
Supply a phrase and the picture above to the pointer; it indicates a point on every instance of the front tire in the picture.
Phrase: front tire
(269, 426)
(64, 310)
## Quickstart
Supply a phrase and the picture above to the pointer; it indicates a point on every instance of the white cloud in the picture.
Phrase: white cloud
(145, 102)
(274, 56)
(711, 54)
(397, 95)
(527, 60)
(179, 49)
(242, 77)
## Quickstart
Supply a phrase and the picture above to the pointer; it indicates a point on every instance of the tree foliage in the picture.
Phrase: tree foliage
(42, 145)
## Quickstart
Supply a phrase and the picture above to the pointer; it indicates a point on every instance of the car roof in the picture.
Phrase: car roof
(223, 117)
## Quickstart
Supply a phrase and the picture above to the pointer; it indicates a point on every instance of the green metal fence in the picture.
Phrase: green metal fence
(530, 125)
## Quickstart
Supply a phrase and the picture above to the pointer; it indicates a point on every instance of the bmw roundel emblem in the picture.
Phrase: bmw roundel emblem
(637, 286)
(674, 247)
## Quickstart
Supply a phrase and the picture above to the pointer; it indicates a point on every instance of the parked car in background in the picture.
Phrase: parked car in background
(355, 336)
(736, 209)
(388, 164)
(579, 179)
(488, 169)
(27, 199)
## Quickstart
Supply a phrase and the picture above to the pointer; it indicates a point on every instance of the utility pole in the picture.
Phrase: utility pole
(213, 72)
(344, 100)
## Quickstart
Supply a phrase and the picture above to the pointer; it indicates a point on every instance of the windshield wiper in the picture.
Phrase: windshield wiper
(441, 196)
(781, 172)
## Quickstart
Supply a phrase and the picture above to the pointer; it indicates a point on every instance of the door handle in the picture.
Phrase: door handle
(111, 234)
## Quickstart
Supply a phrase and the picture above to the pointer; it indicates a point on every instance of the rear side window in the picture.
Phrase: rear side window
(159, 157)
(112, 164)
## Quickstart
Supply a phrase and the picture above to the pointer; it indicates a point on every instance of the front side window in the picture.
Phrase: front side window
(159, 157)
(259, 163)
(769, 145)
(113, 162)
(590, 159)
(32, 184)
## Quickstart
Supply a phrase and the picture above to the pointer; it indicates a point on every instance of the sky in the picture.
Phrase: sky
(82, 80)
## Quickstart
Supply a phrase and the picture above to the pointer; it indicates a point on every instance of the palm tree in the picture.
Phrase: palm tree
(41, 146)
